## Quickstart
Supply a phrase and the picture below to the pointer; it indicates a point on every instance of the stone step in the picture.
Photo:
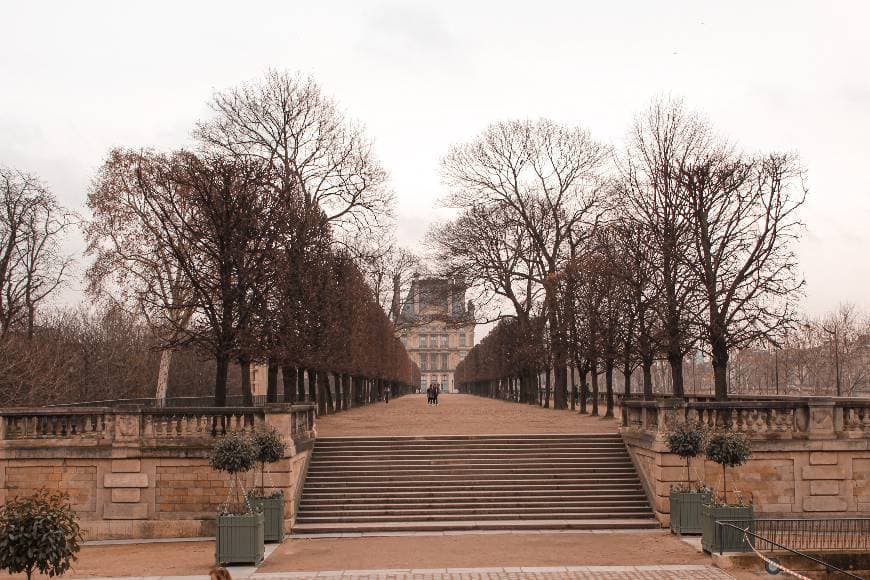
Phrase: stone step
(457, 492)
(467, 482)
(438, 479)
(422, 447)
(340, 510)
(437, 517)
(491, 498)
(473, 525)
(472, 438)
(390, 463)
(450, 468)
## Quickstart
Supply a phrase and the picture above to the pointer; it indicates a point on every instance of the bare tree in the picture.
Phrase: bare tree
(664, 142)
(135, 265)
(742, 224)
(285, 121)
(549, 177)
(32, 262)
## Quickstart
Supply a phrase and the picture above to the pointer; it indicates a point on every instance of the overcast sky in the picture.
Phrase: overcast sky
(77, 78)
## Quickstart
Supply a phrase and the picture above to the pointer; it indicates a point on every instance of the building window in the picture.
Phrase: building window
(433, 360)
(444, 361)
(433, 341)
(422, 341)
(444, 343)
(444, 385)
(423, 361)
(462, 339)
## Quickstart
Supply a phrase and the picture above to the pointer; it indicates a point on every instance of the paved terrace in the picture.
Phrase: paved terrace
(457, 415)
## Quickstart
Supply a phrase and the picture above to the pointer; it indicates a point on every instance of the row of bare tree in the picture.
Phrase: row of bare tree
(251, 246)
(615, 259)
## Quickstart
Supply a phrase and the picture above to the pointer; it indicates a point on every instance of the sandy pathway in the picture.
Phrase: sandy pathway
(457, 415)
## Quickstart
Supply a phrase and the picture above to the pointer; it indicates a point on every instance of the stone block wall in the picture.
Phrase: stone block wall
(143, 475)
(809, 458)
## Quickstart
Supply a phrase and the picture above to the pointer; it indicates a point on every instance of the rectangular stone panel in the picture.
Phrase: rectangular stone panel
(126, 495)
(824, 504)
(861, 478)
(125, 511)
(824, 487)
(125, 480)
(823, 458)
(823, 472)
(126, 465)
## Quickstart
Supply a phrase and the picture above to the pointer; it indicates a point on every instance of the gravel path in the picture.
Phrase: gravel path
(457, 415)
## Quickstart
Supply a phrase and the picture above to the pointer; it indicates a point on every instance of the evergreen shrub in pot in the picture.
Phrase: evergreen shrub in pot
(686, 499)
(38, 533)
(239, 526)
(728, 450)
(270, 447)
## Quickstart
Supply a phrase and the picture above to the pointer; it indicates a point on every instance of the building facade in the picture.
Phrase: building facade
(436, 326)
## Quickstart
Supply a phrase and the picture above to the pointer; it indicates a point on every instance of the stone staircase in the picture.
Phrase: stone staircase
(457, 482)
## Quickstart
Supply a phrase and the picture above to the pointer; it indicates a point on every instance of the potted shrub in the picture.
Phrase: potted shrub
(687, 441)
(728, 450)
(239, 526)
(38, 533)
(269, 446)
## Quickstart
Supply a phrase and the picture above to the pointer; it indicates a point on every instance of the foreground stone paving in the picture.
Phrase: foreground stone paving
(675, 572)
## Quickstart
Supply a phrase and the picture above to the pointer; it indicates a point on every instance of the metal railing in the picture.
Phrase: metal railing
(797, 537)
(811, 535)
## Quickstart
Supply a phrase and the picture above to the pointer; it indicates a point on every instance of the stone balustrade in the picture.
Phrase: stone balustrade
(811, 455)
(134, 472)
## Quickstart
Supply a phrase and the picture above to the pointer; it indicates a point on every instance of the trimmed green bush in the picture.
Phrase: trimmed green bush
(234, 454)
(687, 441)
(728, 450)
(270, 447)
(38, 533)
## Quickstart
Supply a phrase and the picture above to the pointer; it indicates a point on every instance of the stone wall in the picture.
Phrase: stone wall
(143, 473)
(811, 457)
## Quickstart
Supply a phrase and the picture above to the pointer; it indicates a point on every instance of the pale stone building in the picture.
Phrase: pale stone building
(436, 326)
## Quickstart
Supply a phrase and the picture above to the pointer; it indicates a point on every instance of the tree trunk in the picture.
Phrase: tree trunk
(312, 389)
(300, 385)
(247, 393)
(272, 382)
(222, 365)
(608, 385)
(560, 392)
(626, 374)
(647, 378)
(584, 389)
(547, 382)
(594, 372)
(163, 376)
(675, 359)
(720, 369)
(573, 390)
(288, 378)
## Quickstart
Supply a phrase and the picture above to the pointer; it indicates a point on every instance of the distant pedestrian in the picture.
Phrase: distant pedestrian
(429, 394)
(435, 390)
(387, 396)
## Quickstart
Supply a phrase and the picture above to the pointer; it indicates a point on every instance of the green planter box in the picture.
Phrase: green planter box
(715, 538)
(273, 516)
(239, 539)
(686, 509)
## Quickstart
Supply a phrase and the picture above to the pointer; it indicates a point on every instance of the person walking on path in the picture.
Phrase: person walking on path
(435, 390)
(387, 396)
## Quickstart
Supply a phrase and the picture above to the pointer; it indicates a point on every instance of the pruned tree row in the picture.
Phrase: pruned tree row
(626, 259)
(245, 247)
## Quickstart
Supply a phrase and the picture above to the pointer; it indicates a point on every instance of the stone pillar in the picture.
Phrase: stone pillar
(126, 484)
